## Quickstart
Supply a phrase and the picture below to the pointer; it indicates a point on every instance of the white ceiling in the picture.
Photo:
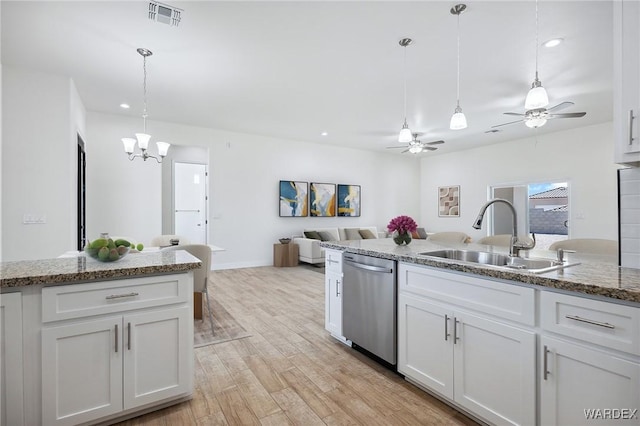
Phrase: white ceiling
(295, 69)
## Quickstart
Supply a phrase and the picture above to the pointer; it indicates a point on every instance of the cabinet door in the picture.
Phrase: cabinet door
(582, 382)
(494, 368)
(425, 343)
(158, 356)
(333, 303)
(11, 400)
(81, 371)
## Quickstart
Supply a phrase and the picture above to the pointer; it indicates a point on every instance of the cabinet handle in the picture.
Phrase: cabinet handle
(446, 327)
(545, 366)
(337, 288)
(588, 321)
(330, 260)
(118, 296)
(116, 338)
(455, 330)
(630, 123)
(129, 336)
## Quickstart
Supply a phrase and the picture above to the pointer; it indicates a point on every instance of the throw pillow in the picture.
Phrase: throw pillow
(422, 233)
(366, 234)
(353, 234)
(312, 235)
(326, 236)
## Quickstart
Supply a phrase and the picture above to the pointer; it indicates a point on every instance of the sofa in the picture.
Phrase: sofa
(309, 249)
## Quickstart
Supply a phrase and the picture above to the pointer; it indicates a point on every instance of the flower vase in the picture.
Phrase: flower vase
(401, 238)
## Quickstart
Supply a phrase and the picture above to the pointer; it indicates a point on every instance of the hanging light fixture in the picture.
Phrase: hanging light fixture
(537, 96)
(405, 133)
(143, 138)
(458, 120)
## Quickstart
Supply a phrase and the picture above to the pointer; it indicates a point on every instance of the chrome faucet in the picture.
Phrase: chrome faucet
(514, 245)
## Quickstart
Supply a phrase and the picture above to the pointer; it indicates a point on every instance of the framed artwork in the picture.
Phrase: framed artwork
(294, 198)
(322, 199)
(349, 200)
(449, 201)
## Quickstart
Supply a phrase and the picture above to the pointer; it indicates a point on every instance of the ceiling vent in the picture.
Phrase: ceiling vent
(164, 13)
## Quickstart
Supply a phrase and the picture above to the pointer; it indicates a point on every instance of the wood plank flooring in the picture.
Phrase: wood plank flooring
(290, 372)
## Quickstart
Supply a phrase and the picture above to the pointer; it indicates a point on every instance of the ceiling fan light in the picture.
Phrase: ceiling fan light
(405, 135)
(534, 123)
(415, 149)
(143, 140)
(537, 97)
(458, 120)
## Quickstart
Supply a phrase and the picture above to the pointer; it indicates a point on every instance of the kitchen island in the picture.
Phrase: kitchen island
(508, 346)
(87, 342)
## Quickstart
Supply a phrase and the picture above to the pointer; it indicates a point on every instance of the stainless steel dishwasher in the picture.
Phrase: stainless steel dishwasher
(369, 295)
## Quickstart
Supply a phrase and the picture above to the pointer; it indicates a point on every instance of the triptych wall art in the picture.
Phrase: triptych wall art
(300, 199)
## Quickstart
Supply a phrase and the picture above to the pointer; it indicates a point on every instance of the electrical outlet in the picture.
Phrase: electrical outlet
(34, 219)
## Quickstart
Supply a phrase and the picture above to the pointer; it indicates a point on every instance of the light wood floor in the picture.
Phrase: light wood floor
(290, 371)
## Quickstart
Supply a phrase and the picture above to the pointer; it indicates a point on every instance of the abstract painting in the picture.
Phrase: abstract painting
(449, 201)
(322, 199)
(349, 200)
(293, 198)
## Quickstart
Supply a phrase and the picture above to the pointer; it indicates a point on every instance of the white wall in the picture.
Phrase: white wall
(41, 113)
(0, 134)
(583, 157)
(244, 171)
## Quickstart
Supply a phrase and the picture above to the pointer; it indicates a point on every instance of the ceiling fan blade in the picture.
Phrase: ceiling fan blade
(406, 150)
(433, 143)
(429, 148)
(505, 124)
(513, 113)
(568, 115)
(560, 106)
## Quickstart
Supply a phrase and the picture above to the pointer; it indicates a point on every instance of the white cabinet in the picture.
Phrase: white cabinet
(11, 367)
(333, 293)
(578, 381)
(484, 364)
(137, 352)
(626, 91)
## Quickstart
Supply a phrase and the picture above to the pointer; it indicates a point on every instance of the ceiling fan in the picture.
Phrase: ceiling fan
(416, 146)
(538, 117)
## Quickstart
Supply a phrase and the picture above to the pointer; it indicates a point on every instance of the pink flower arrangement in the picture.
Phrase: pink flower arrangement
(402, 224)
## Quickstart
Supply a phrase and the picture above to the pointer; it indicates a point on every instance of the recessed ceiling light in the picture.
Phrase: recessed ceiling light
(124, 106)
(553, 42)
(324, 134)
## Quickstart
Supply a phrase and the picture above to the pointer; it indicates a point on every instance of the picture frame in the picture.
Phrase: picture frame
(349, 200)
(293, 198)
(449, 201)
(322, 199)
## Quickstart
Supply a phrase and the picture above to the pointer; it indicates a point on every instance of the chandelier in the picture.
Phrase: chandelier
(143, 138)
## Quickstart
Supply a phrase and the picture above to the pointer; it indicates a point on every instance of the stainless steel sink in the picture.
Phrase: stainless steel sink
(534, 265)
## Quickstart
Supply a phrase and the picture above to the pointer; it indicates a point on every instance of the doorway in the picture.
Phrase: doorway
(81, 222)
(543, 209)
(190, 201)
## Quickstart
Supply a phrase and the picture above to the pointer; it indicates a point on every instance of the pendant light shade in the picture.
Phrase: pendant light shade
(405, 133)
(458, 120)
(537, 96)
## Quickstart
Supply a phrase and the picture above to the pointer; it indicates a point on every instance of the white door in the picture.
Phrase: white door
(158, 352)
(81, 371)
(190, 201)
(582, 382)
(495, 370)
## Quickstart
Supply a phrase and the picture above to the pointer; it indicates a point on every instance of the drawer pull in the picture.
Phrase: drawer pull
(588, 321)
(630, 127)
(119, 296)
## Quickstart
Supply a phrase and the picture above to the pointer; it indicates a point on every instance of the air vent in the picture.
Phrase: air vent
(164, 13)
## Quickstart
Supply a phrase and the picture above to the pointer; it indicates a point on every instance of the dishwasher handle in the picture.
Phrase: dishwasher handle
(369, 267)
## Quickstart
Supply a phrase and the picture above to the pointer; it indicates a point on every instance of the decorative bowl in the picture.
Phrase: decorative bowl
(120, 252)
(285, 240)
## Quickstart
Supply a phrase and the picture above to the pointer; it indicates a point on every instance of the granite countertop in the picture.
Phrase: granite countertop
(595, 275)
(82, 268)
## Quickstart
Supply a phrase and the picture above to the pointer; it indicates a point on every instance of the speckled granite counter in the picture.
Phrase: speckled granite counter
(83, 269)
(595, 275)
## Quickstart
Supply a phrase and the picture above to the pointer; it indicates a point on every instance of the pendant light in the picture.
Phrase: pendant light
(143, 138)
(537, 96)
(405, 135)
(458, 120)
